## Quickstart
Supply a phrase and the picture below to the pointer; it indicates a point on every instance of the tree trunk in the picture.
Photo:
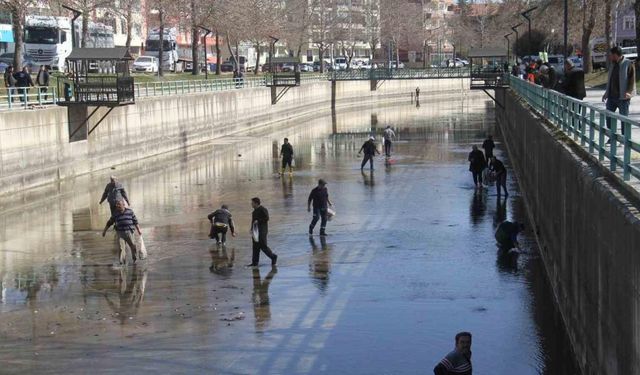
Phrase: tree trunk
(321, 57)
(238, 69)
(129, 20)
(397, 57)
(161, 40)
(607, 26)
(233, 55)
(195, 43)
(85, 30)
(218, 53)
(255, 70)
(588, 23)
(636, 9)
(17, 18)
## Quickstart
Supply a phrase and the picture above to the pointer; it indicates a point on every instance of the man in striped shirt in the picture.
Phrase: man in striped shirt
(125, 222)
(459, 360)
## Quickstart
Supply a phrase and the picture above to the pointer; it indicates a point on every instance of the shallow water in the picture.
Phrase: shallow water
(409, 262)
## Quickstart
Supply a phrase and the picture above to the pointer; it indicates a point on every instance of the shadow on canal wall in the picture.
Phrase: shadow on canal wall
(35, 148)
(588, 228)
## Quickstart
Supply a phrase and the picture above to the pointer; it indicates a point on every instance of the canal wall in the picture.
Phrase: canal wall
(35, 148)
(588, 228)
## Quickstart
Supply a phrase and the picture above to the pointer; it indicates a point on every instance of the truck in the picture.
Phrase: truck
(172, 54)
(47, 40)
(598, 48)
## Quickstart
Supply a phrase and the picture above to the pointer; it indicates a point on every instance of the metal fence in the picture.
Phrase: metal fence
(384, 74)
(27, 97)
(604, 133)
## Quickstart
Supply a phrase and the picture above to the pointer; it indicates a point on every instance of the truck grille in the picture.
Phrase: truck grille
(41, 55)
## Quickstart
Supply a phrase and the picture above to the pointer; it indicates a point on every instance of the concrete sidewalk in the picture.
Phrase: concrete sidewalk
(594, 97)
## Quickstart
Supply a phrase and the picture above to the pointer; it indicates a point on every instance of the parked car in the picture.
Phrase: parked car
(557, 62)
(365, 66)
(462, 61)
(577, 62)
(400, 66)
(227, 67)
(306, 67)
(287, 67)
(27, 61)
(145, 64)
(450, 63)
(630, 53)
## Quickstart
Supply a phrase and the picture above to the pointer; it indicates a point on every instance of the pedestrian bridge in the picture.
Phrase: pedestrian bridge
(388, 74)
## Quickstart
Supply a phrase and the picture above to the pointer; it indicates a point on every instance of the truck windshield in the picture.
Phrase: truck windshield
(154, 45)
(40, 35)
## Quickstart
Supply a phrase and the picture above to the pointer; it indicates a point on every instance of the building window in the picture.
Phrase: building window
(629, 23)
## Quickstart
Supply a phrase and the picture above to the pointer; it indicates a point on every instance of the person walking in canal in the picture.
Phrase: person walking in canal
(500, 173)
(125, 222)
(389, 136)
(369, 148)
(458, 361)
(286, 153)
(621, 84)
(488, 145)
(477, 164)
(42, 79)
(507, 235)
(259, 231)
(417, 93)
(221, 222)
(113, 192)
(320, 198)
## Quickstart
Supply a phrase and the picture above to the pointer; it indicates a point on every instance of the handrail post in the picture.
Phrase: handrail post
(626, 165)
(10, 96)
(613, 142)
(601, 132)
(592, 120)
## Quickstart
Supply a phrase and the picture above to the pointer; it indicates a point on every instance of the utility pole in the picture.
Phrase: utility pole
(204, 43)
(566, 29)
(515, 30)
(525, 14)
(76, 14)
(508, 46)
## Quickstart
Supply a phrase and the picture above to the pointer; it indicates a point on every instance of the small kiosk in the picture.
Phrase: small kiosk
(488, 68)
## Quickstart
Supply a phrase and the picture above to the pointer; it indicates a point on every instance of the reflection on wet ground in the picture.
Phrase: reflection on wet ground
(409, 262)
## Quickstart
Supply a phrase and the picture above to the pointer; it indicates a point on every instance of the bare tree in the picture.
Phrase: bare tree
(324, 21)
(399, 21)
(87, 7)
(297, 25)
(590, 11)
(18, 10)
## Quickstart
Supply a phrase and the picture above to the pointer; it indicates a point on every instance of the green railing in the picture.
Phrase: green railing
(27, 97)
(162, 88)
(384, 74)
(604, 133)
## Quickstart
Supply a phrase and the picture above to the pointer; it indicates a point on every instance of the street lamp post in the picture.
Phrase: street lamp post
(515, 30)
(566, 28)
(204, 42)
(508, 46)
(525, 14)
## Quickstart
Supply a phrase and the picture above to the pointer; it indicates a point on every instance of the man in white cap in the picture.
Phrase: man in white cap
(369, 148)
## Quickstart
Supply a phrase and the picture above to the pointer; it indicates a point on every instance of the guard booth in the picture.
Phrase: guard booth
(285, 74)
(82, 89)
(488, 68)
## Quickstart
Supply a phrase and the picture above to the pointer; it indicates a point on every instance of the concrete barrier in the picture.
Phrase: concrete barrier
(35, 148)
(588, 228)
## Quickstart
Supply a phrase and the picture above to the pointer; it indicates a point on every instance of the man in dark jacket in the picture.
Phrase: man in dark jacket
(488, 145)
(507, 235)
(320, 198)
(497, 167)
(42, 79)
(260, 223)
(221, 221)
(286, 153)
(369, 148)
(573, 82)
(23, 82)
(458, 361)
(477, 164)
(10, 81)
(113, 192)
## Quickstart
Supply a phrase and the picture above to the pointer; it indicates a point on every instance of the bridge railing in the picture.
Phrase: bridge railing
(27, 97)
(606, 134)
(383, 74)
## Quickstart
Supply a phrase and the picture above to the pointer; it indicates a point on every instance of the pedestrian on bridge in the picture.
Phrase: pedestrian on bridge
(621, 84)
(369, 148)
(113, 192)
(320, 198)
(477, 164)
(125, 222)
(10, 82)
(259, 231)
(573, 82)
(458, 361)
(389, 136)
(500, 173)
(42, 79)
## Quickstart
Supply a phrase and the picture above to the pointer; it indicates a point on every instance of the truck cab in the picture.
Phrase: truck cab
(47, 40)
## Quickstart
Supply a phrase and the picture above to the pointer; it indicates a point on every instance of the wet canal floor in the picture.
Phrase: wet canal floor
(409, 262)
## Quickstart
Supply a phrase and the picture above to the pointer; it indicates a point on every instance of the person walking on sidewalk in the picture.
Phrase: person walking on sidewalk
(369, 148)
(113, 192)
(458, 361)
(500, 172)
(42, 79)
(477, 164)
(10, 82)
(286, 153)
(621, 84)
(221, 221)
(320, 198)
(125, 222)
(260, 224)
(389, 136)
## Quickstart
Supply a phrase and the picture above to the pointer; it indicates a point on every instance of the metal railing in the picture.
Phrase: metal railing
(604, 133)
(27, 97)
(162, 88)
(383, 74)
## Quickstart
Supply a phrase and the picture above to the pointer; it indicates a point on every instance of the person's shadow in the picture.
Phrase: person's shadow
(368, 179)
(222, 260)
(478, 206)
(501, 212)
(320, 265)
(507, 260)
(131, 286)
(260, 297)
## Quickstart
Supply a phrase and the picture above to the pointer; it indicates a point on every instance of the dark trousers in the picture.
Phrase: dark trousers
(387, 147)
(477, 177)
(22, 92)
(319, 213)
(285, 162)
(501, 181)
(261, 245)
(622, 106)
(218, 232)
(488, 154)
(367, 158)
(43, 93)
